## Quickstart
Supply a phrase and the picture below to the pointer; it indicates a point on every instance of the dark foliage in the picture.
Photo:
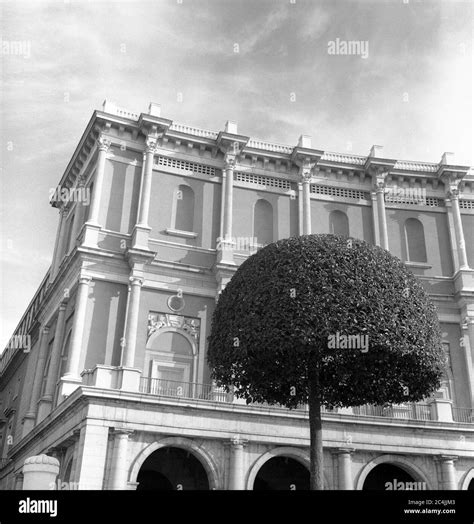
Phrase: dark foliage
(272, 322)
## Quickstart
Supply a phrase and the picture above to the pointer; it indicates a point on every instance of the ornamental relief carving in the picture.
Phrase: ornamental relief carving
(151, 144)
(189, 325)
(453, 191)
(103, 143)
(230, 160)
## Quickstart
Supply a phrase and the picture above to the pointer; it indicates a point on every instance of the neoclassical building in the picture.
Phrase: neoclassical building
(106, 371)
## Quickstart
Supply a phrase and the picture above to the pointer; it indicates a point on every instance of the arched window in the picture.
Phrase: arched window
(171, 363)
(184, 205)
(263, 222)
(338, 223)
(415, 241)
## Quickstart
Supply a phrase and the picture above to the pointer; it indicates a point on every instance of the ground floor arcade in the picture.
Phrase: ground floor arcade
(110, 440)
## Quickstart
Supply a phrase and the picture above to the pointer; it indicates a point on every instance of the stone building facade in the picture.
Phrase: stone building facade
(106, 371)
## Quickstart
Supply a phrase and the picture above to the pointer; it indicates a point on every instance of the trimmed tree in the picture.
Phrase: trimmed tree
(325, 321)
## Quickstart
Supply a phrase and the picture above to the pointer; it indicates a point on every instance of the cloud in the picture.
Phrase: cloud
(142, 51)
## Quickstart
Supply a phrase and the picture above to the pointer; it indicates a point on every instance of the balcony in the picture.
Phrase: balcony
(463, 415)
(186, 390)
(212, 393)
(409, 411)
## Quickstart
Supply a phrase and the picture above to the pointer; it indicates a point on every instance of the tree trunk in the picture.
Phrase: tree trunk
(315, 434)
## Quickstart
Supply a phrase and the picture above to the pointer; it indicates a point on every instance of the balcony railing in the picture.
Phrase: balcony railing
(209, 392)
(404, 411)
(465, 415)
(189, 390)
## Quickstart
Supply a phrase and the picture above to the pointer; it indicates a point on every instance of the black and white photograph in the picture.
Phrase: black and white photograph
(237, 260)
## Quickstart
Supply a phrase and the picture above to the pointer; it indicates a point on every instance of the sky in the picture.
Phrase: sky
(276, 67)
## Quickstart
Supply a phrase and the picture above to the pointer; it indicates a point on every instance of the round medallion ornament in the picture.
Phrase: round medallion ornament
(176, 303)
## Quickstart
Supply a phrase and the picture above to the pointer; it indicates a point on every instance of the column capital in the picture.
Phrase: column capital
(151, 144)
(237, 441)
(81, 181)
(103, 143)
(230, 160)
(342, 451)
(64, 211)
(84, 279)
(467, 321)
(122, 432)
(380, 181)
(446, 458)
(306, 169)
(63, 305)
(136, 281)
(453, 192)
(306, 174)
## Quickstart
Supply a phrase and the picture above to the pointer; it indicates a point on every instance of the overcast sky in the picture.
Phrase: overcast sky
(264, 64)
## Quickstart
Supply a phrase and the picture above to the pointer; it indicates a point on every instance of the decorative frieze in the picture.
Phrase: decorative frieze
(190, 325)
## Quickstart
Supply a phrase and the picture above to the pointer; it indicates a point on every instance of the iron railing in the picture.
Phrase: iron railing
(189, 390)
(465, 415)
(409, 411)
(210, 392)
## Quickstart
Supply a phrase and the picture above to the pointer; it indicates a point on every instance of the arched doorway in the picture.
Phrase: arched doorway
(171, 468)
(388, 476)
(282, 473)
(470, 486)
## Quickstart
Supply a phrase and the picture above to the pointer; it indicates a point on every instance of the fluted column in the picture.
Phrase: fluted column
(380, 197)
(59, 245)
(30, 416)
(54, 363)
(78, 214)
(375, 218)
(92, 226)
(300, 208)
(237, 474)
(225, 247)
(73, 371)
(223, 193)
(145, 187)
(448, 472)
(131, 325)
(306, 181)
(141, 231)
(119, 469)
(453, 195)
(467, 349)
(344, 468)
(229, 187)
(103, 145)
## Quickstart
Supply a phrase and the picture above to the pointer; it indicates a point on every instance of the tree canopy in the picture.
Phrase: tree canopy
(311, 302)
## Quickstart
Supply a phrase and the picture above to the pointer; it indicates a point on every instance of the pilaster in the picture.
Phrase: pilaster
(92, 226)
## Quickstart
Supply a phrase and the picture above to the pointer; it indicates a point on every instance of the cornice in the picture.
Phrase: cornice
(121, 121)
